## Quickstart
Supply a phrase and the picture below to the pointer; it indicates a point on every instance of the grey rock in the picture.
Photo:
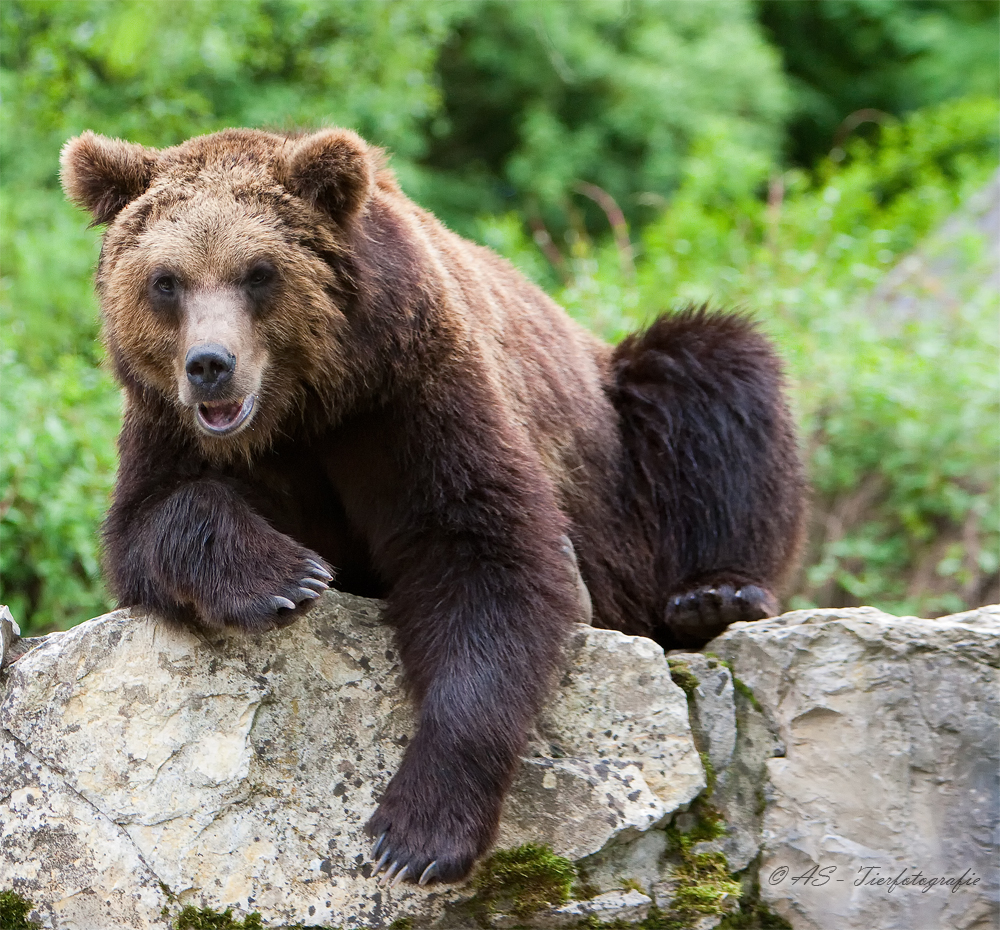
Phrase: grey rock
(617, 702)
(9, 632)
(741, 788)
(626, 906)
(713, 707)
(82, 870)
(631, 906)
(891, 765)
(12, 644)
(639, 862)
(139, 759)
(738, 738)
(239, 772)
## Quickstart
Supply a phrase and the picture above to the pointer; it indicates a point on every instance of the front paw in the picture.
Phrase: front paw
(429, 833)
(270, 595)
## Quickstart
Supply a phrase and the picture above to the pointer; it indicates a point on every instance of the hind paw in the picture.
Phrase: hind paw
(699, 614)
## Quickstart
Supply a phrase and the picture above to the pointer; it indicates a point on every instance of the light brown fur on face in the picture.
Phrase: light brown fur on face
(207, 218)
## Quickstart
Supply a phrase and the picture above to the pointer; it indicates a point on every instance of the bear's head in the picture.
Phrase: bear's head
(226, 271)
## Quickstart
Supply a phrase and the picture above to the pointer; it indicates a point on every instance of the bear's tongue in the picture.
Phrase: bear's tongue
(221, 415)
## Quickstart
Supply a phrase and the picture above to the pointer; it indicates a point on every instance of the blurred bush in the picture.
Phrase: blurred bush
(56, 473)
(877, 59)
(539, 96)
(900, 417)
(530, 127)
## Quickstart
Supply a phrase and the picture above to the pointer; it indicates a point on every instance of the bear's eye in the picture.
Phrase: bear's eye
(165, 285)
(260, 275)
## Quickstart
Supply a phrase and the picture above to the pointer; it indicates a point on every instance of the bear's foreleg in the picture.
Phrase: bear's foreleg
(483, 592)
(712, 469)
(184, 545)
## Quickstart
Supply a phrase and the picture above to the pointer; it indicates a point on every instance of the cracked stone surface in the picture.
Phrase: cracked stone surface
(738, 738)
(68, 853)
(139, 759)
(892, 754)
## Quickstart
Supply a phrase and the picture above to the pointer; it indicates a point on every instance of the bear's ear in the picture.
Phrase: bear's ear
(333, 169)
(105, 175)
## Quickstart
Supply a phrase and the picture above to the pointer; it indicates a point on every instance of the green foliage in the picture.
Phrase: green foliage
(484, 104)
(899, 415)
(56, 473)
(877, 59)
(540, 96)
(520, 881)
(496, 114)
(157, 73)
(14, 911)
(47, 303)
(204, 918)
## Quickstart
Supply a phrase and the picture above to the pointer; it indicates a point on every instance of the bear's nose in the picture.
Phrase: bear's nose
(209, 365)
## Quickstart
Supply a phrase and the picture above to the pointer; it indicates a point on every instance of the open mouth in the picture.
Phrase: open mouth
(222, 417)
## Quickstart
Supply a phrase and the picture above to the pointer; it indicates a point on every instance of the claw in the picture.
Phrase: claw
(381, 863)
(389, 873)
(307, 594)
(428, 873)
(318, 586)
(277, 602)
(378, 844)
(318, 570)
(400, 875)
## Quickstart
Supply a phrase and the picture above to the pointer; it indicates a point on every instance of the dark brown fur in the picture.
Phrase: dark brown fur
(432, 426)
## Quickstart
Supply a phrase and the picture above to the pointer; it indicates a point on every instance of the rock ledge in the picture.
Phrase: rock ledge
(145, 768)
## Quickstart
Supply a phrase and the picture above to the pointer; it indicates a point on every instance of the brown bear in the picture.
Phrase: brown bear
(324, 385)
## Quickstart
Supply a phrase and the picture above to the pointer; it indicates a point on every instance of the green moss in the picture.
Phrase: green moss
(14, 911)
(703, 878)
(630, 884)
(165, 888)
(682, 675)
(402, 923)
(204, 918)
(753, 914)
(744, 689)
(709, 825)
(521, 881)
(710, 778)
(703, 883)
(655, 920)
